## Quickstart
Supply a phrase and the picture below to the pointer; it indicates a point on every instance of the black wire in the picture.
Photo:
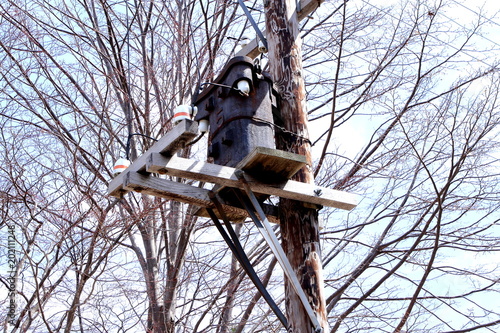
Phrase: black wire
(219, 85)
(199, 90)
(196, 140)
(260, 120)
(235, 246)
(127, 147)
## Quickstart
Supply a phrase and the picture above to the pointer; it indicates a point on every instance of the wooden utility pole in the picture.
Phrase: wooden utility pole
(300, 198)
(299, 223)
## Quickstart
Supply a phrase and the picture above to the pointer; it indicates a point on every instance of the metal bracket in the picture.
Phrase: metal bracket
(255, 26)
(266, 231)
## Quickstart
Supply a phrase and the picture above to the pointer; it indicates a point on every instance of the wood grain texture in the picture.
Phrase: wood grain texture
(163, 188)
(169, 144)
(271, 164)
(306, 7)
(225, 176)
(299, 224)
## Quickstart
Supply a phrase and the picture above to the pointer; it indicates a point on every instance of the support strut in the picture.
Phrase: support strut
(235, 246)
(252, 22)
(266, 231)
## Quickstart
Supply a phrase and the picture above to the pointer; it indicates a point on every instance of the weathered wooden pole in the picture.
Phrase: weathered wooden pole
(299, 224)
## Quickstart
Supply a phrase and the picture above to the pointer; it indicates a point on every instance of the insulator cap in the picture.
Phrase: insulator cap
(182, 112)
(203, 125)
(120, 166)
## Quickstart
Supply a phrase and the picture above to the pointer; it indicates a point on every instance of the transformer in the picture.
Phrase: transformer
(239, 107)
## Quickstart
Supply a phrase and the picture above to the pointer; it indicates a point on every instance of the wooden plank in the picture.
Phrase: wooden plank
(134, 181)
(306, 7)
(169, 144)
(268, 165)
(225, 176)
(159, 187)
(271, 164)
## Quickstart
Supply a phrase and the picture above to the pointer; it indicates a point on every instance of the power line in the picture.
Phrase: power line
(432, 36)
(480, 16)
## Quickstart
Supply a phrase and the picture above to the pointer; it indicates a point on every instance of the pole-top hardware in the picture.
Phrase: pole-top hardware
(120, 165)
(239, 105)
(184, 112)
(262, 47)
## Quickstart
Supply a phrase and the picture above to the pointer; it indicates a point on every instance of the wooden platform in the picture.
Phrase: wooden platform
(168, 145)
(267, 171)
(271, 164)
(172, 190)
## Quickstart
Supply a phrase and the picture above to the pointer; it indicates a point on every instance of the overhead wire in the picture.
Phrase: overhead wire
(387, 12)
(436, 94)
(480, 16)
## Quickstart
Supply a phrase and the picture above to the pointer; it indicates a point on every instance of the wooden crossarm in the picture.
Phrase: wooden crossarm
(163, 188)
(168, 145)
(225, 176)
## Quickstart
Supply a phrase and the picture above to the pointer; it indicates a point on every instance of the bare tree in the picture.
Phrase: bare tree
(426, 170)
(415, 90)
(82, 79)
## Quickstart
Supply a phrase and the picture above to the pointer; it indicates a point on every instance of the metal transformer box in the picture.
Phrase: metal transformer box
(238, 122)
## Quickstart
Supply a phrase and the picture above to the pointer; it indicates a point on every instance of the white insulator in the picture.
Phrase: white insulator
(120, 166)
(244, 87)
(182, 112)
(262, 47)
(203, 125)
(244, 41)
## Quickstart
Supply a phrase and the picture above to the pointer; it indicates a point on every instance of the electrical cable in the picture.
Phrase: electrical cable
(219, 85)
(262, 121)
(195, 140)
(237, 249)
(127, 147)
(479, 15)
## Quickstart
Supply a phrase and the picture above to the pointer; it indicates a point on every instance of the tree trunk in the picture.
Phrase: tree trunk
(300, 230)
